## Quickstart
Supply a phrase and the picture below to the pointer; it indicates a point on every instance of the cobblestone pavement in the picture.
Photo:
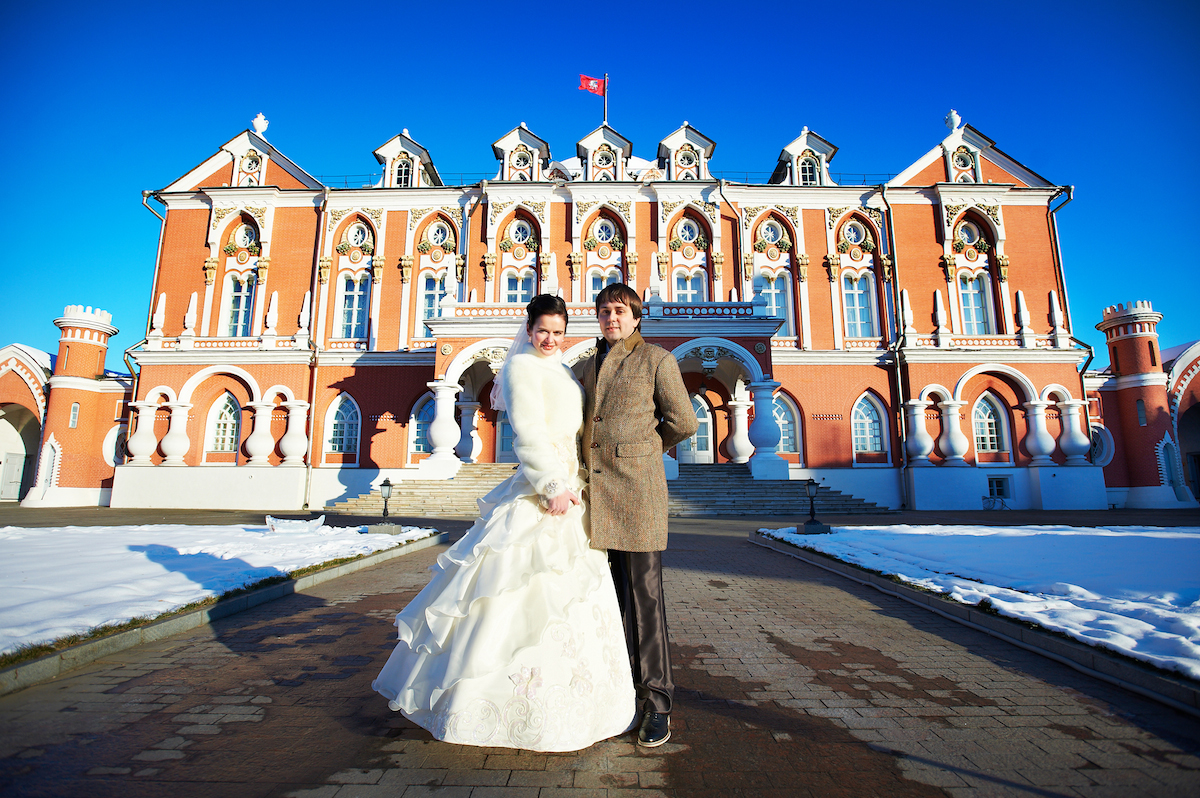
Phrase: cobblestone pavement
(792, 681)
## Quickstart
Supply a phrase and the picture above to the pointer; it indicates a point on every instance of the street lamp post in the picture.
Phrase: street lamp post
(812, 526)
(385, 490)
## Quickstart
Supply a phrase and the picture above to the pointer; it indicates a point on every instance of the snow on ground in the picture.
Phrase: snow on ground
(1135, 590)
(60, 581)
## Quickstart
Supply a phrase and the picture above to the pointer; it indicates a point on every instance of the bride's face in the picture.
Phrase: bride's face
(547, 334)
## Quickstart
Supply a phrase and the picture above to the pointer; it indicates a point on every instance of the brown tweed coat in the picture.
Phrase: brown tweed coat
(635, 409)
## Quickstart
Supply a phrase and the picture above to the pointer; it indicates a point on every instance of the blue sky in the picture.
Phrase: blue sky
(100, 105)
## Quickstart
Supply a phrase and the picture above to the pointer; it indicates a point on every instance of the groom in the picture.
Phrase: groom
(636, 409)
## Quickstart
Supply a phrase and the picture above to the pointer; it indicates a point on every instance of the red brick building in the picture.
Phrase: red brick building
(909, 343)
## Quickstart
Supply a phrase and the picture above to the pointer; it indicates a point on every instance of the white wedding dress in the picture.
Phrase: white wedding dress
(516, 642)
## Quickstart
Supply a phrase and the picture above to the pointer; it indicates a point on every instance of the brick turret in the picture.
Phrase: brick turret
(1135, 401)
(84, 341)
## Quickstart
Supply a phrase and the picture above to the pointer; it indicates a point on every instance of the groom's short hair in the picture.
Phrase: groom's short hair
(619, 292)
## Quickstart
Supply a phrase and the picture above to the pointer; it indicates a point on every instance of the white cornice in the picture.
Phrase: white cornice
(411, 357)
(101, 385)
(1157, 380)
(208, 357)
(998, 355)
(827, 357)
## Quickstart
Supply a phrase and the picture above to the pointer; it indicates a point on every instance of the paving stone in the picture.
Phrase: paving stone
(791, 681)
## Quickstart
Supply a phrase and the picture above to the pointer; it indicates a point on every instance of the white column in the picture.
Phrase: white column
(739, 446)
(469, 445)
(294, 443)
(261, 443)
(954, 444)
(175, 443)
(918, 442)
(764, 433)
(142, 442)
(444, 433)
(1038, 441)
(1074, 442)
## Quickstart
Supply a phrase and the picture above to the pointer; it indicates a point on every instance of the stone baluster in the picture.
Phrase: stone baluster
(918, 443)
(1075, 443)
(444, 433)
(261, 443)
(175, 443)
(739, 446)
(142, 443)
(469, 444)
(294, 443)
(953, 442)
(1038, 440)
(764, 433)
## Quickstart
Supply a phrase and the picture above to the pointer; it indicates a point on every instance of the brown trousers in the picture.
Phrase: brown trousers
(638, 577)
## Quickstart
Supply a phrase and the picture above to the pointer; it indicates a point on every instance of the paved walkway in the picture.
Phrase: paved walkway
(792, 681)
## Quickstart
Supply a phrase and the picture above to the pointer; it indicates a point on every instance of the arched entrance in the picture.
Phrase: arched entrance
(1189, 446)
(19, 434)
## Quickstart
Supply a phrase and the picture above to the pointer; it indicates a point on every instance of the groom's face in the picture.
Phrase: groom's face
(616, 321)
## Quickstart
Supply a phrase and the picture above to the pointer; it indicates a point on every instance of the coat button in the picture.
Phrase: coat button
(597, 418)
(596, 470)
(595, 446)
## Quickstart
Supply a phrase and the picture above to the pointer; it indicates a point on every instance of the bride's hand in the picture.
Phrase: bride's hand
(562, 502)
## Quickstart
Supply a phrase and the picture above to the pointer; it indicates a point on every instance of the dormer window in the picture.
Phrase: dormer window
(808, 172)
(403, 173)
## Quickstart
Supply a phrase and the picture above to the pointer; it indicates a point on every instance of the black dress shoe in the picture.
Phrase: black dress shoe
(655, 729)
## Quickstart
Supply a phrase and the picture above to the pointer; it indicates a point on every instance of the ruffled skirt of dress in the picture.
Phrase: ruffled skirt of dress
(516, 642)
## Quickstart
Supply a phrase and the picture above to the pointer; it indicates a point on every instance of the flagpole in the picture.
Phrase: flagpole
(605, 98)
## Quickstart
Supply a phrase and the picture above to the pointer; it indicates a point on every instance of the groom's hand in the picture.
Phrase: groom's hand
(562, 502)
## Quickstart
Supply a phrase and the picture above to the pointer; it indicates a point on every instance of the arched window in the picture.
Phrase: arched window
(403, 173)
(690, 286)
(421, 419)
(241, 304)
(598, 278)
(699, 447)
(224, 425)
(356, 292)
(857, 297)
(1141, 413)
(972, 295)
(789, 440)
(776, 292)
(74, 415)
(518, 286)
(867, 427)
(987, 421)
(433, 288)
(342, 426)
(808, 172)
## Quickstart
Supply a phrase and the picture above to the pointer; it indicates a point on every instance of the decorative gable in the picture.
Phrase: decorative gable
(967, 156)
(684, 154)
(805, 162)
(522, 155)
(604, 154)
(406, 164)
(245, 161)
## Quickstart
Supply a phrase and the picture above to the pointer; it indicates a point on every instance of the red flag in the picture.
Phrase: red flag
(594, 85)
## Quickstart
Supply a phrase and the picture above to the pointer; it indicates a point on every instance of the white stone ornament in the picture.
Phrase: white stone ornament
(260, 124)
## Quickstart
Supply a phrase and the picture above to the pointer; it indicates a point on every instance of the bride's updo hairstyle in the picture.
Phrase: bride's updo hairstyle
(545, 305)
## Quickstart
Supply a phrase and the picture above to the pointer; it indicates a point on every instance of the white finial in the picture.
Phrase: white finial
(952, 119)
(405, 131)
(523, 125)
(804, 130)
(260, 124)
(685, 124)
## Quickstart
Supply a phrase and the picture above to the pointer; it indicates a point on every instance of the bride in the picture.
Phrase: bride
(517, 642)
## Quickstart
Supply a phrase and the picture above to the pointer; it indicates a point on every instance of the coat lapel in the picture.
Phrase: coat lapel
(612, 363)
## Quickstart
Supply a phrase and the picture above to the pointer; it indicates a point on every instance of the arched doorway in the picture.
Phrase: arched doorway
(19, 434)
(1189, 446)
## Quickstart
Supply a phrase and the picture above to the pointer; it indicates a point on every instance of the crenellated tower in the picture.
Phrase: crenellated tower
(1135, 400)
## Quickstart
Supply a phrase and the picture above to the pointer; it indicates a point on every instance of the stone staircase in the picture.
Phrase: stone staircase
(728, 489)
(701, 490)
